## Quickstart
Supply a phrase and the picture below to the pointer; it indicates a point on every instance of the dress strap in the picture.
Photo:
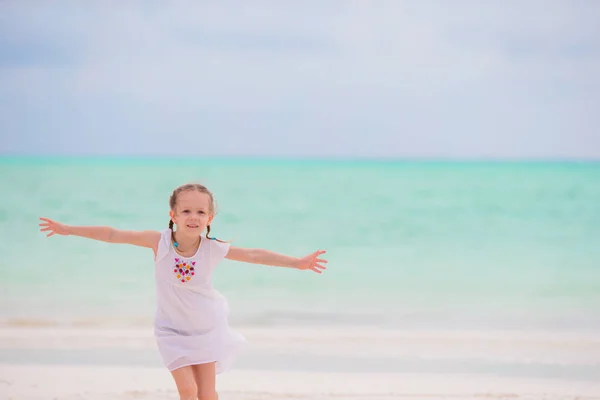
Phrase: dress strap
(164, 245)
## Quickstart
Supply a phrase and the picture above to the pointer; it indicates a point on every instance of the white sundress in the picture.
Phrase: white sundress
(191, 320)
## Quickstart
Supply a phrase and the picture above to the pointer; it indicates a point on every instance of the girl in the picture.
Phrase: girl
(191, 319)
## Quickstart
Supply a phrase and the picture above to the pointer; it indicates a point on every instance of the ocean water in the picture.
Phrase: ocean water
(460, 245)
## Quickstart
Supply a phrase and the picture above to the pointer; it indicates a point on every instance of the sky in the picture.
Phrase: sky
(390, 79)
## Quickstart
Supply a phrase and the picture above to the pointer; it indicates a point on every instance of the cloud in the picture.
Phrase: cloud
(383, 78)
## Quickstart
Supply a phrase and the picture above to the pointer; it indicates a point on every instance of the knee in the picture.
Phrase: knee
(187, 391)
(206, 395)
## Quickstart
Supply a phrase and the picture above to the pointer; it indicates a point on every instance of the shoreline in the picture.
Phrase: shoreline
(571, 357)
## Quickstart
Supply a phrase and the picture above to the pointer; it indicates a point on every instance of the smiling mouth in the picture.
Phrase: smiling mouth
(193, 226)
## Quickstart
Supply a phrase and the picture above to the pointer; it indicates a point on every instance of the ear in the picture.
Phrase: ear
(172, 215)
(210, 219)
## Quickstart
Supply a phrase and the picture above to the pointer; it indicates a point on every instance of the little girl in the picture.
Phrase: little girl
(191, 320)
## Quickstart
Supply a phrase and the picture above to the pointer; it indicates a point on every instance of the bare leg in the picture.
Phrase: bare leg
(186, 383)
(206, 381)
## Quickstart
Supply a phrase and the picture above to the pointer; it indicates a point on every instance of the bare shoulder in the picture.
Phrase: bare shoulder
(143, 238)
(240, 254)
(151, 235)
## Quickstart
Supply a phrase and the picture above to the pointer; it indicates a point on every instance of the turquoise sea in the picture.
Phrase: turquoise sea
(453, 245)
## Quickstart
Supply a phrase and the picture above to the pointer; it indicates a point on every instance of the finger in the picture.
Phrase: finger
(50, 234)
(321, 261)
(45, 229)
(44, 224)
(316, 270)
(46, 219)
(320, 266)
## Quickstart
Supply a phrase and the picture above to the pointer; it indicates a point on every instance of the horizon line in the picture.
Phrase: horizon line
(297, 158)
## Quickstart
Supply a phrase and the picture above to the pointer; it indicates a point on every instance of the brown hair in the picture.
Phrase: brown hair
(200, 188)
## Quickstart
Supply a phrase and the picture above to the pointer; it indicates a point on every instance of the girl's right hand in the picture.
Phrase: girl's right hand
(53, 227)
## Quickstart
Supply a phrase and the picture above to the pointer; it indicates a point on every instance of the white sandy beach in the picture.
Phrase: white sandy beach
(290, 363)
(42, 382)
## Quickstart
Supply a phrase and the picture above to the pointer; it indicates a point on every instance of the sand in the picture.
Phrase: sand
(37, 382)
(90, 363)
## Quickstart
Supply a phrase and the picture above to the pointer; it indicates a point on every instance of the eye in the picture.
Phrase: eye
(200, 212)
(185, 211)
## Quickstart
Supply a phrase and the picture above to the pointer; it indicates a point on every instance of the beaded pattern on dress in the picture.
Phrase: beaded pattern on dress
(184, 270)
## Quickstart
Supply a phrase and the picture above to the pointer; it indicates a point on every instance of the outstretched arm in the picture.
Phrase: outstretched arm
(266, 257)
(102, 233)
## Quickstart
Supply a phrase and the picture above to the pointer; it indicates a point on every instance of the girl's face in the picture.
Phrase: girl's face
(192, 212)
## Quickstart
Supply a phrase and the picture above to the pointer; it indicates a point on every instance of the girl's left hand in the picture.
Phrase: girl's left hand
(312, 262)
